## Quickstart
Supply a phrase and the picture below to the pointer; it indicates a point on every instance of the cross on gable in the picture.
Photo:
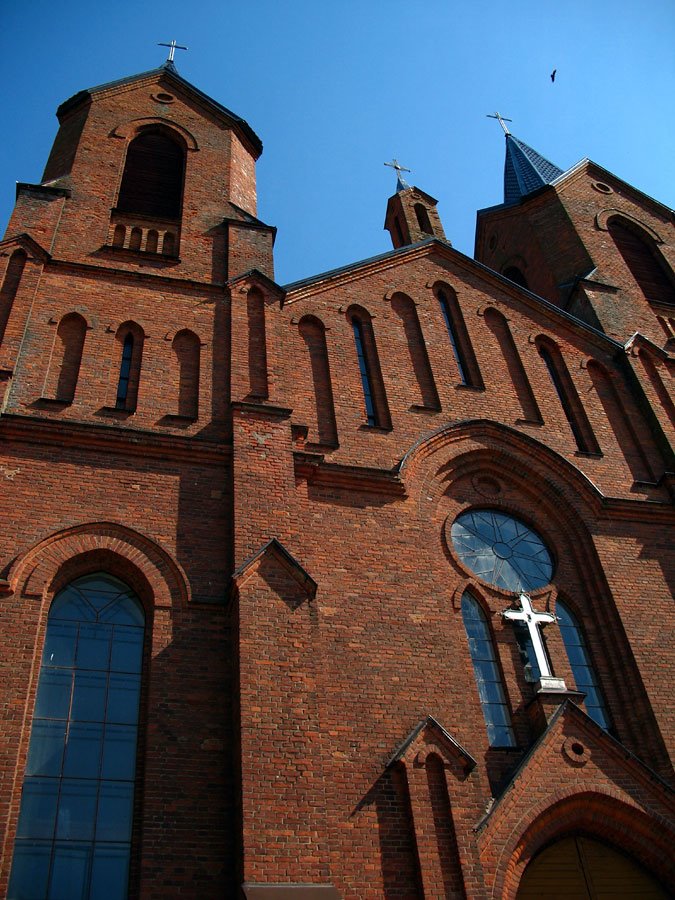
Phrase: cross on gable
(173, 47)
(528, 615)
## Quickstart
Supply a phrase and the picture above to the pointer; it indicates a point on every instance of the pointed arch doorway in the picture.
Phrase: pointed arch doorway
(581, 868)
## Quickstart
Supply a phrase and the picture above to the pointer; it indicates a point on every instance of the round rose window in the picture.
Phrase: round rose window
(501, 550)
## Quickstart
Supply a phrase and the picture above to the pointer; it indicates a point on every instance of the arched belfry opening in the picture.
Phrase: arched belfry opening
(152, 182)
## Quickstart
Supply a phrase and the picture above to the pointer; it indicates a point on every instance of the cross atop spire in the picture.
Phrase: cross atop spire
(401, 183)
(173, 47)
(501, 121)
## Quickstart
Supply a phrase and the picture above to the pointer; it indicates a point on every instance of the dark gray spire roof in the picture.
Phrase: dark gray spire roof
(525, 170)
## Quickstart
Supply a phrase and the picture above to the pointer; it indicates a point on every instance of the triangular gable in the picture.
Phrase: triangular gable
(275, 549)
(430, 736)
(577, 778)
(169, 73)
(255, 278)
(25, 242)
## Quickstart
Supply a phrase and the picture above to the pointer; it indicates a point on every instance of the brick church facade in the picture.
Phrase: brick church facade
(358, 587)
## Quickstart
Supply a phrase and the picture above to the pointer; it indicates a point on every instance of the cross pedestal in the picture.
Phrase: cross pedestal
(532, 619)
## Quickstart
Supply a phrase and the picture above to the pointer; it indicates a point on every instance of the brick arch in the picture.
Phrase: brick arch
(130, 130)
(598, 813)
(458, 446)
(603, 217)
(67, 554)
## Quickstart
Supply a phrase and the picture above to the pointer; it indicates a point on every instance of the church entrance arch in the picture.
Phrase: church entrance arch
(583, 868)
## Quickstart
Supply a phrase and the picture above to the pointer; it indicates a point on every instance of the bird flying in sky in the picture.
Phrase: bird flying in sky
(553, 74)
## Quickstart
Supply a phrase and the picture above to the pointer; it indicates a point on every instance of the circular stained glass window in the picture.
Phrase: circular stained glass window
(501, 550)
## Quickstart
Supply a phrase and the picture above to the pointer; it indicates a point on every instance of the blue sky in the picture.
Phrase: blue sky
(336, 89)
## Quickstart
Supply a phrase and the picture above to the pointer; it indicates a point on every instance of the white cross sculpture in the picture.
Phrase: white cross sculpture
(533, 620)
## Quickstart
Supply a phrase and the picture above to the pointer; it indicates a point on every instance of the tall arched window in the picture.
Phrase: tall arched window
(423, 219)
(405, 309)
(130, 349)
(74, 832)
(567, 394)
(375, 399)
(313, 333)
(581, 665)
(487, 674)
(64, 367)
(644, 260)
(186, 348)
(467, 366)
(152, 183)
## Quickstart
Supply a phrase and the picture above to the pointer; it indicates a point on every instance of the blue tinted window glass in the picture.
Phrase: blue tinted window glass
(110, 872)
(93, 647)
(127, 650)
(114, 811)
(59, 649)
(84, 730)
(119, 752)
(581, 665)
(69, 872)
(45, 752)
(53, 696)
(89, 693)
(30, 871)
(123, 693)
(83, 750)
(486, 672)
(38, 808)
(77, 809)
(501, 550)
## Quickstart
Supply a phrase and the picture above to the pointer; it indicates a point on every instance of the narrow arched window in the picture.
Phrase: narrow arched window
(632, 443)
(423, 219)
(74, 831)
(499, 326)
(119, 236)
(488, 677)
(467, 367)
(186, 348)
(313, 333)
(372, 383)
(364, 369)
(644, 260)
(10, 286)
(64, 367)
(152, 183)
(125, 371)
(257, 345)
(581, 665)
(405, 309)
(135, 239)
(568, 397)
(129, 340)
(152, 241)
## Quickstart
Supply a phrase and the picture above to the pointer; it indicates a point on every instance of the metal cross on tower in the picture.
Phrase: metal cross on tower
(501, 121)
(394, 164)
(533, 619)
(174, 46)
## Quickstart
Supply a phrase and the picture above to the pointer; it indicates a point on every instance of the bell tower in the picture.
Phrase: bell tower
(411, 213)
(149, 174)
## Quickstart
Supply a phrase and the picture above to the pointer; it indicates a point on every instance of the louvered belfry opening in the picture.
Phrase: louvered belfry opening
(642, 258)
(152, 183)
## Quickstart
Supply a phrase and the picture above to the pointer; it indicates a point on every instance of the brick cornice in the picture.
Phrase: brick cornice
(313, 468)
(110, 439)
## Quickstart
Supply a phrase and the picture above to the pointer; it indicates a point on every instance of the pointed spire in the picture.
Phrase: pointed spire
(525, 170)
